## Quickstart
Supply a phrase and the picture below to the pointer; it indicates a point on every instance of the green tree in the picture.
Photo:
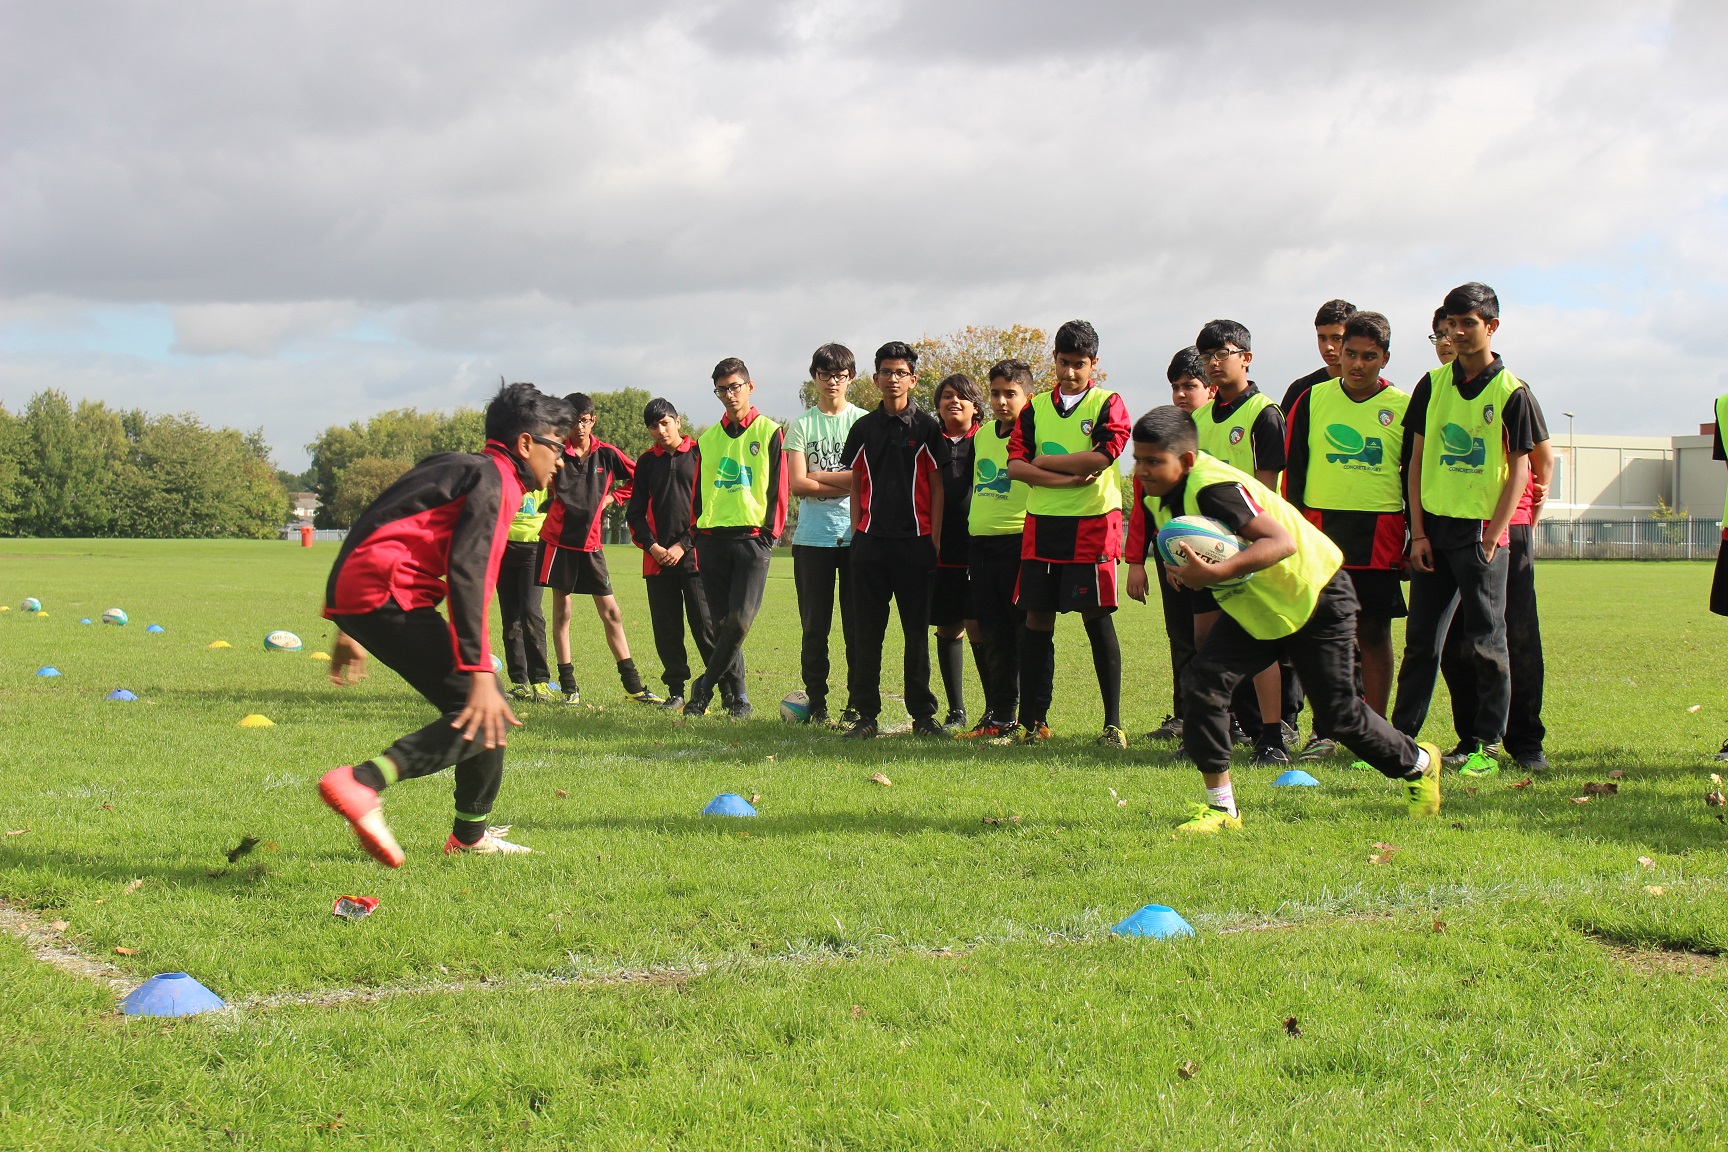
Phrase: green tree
(404, 436)
(972, 350)
(360, 482)
(182, 479)
(69, 461)
(14, 438)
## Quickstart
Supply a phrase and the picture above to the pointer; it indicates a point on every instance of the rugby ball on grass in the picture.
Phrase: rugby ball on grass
(31, 604)
(497, 665)
(1209, 539)
(280, 641)
(116, 617)
(795, 709)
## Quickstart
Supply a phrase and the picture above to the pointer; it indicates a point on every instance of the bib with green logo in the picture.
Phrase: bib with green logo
(1464, 465)
(734, 477)
(1354, 449)
(1059, 435)
(1280, 599)
(1232, 441)
(1722, 431)
(529, 517)
(998, 505)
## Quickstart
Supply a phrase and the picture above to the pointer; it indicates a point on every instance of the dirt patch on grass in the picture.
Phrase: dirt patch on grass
(1667, 961)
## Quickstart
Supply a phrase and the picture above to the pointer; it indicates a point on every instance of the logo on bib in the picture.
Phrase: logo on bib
(1236, 435)
(755, 447)
(1459, 448)
(729, 474)
(991, 479)
(1487, 413)
(1086, 427)
(1385, 417)
(1350, 447)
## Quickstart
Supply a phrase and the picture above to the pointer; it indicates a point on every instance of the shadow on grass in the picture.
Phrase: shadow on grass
(799, 824)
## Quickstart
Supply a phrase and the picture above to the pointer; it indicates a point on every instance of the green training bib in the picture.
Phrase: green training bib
(1232, 441)
(1058, 435)
(525, 525)
(998, 504)
(1354, 448)
(734, 478)
(1722, 431)
(1464, 463)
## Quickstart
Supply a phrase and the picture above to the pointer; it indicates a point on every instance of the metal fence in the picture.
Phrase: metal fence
(1689, 539)
(291, 532)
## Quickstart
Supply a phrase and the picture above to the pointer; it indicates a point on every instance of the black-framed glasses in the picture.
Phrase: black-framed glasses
(1436, 338)
(833, 377)
(1219, 355)
(896, 374)
(555, 445)
(730, 389)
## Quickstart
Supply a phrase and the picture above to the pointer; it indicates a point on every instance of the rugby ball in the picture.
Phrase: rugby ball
(280, 641)
(31, 604)
(795, 709)
(1209, 539)
(116, 616)
(497, 665)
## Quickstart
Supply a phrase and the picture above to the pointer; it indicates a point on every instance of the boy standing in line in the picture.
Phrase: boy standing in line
(738, 507)
(1471, 425)
(1064, 449)
(519, 596)
(821, 542)
(1243, 428)
(1346, 475)
(572, 564)
(1329, 335)
(995, 522)
(439, 532)
(1719, 580)
(957, 405)
(1299, 606)
(659, 520)
(1189, 391)
(895, 455)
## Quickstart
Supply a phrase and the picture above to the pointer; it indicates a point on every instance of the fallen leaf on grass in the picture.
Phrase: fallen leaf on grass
(133, 887)
(1112, 792)
(1121, 803)
(126, 951)
(1646, 862)
(1439, 925)
(879, 778)
(59, 926)
(1592, 788)
(1291, 1028)
(247, 843)
(755, 796)
(1655, 889)
(1383, 853)
(1617, 774)
(857, 1011)
(1695, 708)
(1714, 799)
(560, 793)
(1580, 799)
(1001, 819)
(16, 831)
(1186, 1070)
(1524, 783)
(770, 759)
(1469, 791)
(106, 807)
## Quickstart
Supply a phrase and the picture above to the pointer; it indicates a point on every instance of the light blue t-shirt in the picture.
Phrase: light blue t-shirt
(823, 523)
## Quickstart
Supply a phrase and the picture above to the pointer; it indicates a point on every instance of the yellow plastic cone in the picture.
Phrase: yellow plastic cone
(319, 656)
(42, 615)
(219, 644)
(256, 720)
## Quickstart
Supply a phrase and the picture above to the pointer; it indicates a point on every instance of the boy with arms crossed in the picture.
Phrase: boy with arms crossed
(439, 532)
(1298, 605)
(957, 405)
(659, 520)
(594, 475)
(1064, 449)
(821, 542)
(738, 508)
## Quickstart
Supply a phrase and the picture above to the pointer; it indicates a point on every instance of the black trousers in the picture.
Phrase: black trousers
(994, 564)
(1179, 630)
(674, 596)
(898, 570)
(519, 599)
(734, 575)
(416, 646)
(815, 572)
(1475, 589)
(1524, 730)
(1323, 653)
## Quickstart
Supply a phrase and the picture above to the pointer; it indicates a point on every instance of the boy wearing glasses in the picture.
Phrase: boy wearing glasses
(738, 508)
(595, 474)
(895, 455)
(1064, 448)
(821, 544)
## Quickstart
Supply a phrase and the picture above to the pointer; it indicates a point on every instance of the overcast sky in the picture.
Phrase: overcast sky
(297, 214)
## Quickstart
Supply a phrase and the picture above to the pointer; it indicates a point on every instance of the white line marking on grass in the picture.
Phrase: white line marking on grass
(50, 947)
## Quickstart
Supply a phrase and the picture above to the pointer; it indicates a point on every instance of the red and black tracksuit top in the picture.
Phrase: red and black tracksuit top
(580, 492)
(438, 531)
(659, 508)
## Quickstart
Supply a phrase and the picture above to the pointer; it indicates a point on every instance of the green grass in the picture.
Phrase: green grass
(858, 967)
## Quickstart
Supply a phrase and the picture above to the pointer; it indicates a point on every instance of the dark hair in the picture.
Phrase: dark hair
(897, 350)
(520, 408)
(962, 384)
(580, 405)
(658, 409)
(1472, 297)
(1334, 312)
(1370, 326)
(833, 358)
(1167, 426)
(1439, 315)
(1222, 333)
(1015, 371)
(1185, 363)
(731, 366)
(1077, 338)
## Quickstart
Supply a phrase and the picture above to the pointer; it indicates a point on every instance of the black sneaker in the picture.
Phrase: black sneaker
(701, 695)
(739, 709)
(1318, 748)
(1291, 735)
(1270, 755)
(1532, 762)
(819, 717)
(861, 729)
(1723, 755)
(927, 726)
(521, 692)
(645, 695)
(954, 721)
(1170, 729)
(849, 716)
(674, 702)
(1239, 736)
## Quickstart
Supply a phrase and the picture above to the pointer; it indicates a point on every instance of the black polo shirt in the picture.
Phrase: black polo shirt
(1300, 386)
(894, 456)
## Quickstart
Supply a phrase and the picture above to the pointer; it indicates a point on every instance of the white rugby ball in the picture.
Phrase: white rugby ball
(116, 617)
(795, 709)
(31, 604)
(280, 641)
(1211, 540)
(497, 665)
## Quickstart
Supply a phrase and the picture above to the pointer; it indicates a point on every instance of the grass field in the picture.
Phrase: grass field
(859, 966)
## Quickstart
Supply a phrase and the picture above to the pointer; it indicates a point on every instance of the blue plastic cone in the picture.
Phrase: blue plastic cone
(47, 670)
(85, 620)
(729, 804)
(1295, 778)
(155, 628)
(121, 694)
(1155, 920)
(171, 994)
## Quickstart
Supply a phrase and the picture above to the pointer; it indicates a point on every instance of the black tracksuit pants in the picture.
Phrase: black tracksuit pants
(1179, 630)
(674, 596)
(1524, 730)
(1323, 653)
(994, 566)
(734, 575)
(519, 602)
(899, 570)
(1476, 589)
(815, 572)
(416, 646)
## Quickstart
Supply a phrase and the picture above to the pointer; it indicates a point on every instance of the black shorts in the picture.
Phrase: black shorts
(950, 597)
(1050, 587)
(577, 573)
(1719, 582)
(1380, 592)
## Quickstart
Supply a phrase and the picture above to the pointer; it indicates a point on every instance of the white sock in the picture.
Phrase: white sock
(1417, 772)
(1223, 797)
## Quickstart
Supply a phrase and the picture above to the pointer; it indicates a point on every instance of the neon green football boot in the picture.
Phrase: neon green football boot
(1205, 820)
(1424, 794)
(1478, 764)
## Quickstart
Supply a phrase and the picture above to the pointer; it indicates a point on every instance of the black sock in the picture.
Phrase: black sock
(673, 690)
(981, 663)
(567, 677)
(1037, 675)
(468, 831)
(1107, 663)
(369, 775)
(627, 673)
(951, 658)
(1272, 733)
